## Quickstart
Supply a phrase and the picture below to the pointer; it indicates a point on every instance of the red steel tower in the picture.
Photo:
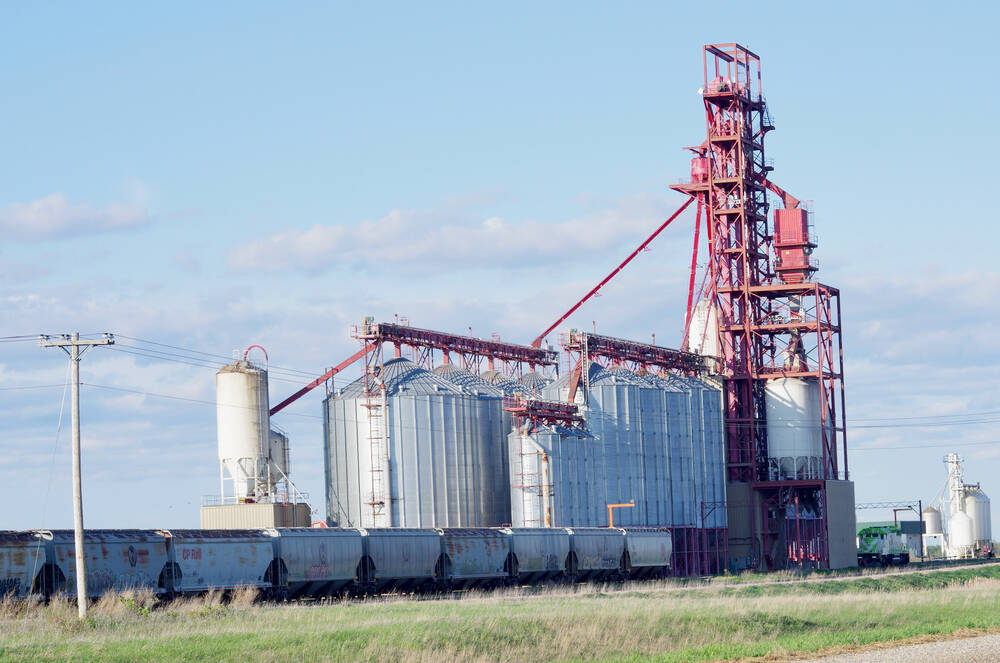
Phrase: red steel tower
(778, 336)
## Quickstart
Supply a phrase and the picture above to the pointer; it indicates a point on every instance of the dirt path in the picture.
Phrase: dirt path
(976, 649)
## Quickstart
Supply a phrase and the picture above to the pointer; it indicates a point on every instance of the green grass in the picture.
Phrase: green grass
(644, 622)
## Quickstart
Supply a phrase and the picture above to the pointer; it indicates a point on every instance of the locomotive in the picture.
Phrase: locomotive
(882, 545)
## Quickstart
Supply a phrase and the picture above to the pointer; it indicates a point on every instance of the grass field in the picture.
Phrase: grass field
(643, 622)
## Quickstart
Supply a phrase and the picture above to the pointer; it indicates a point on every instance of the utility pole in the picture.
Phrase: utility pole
(75, 348)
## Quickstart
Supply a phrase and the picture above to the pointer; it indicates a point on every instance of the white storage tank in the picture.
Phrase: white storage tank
(794, 438)
(703, 332)
(932, 521)
(977, 506)
(244, 432)
(960, 534)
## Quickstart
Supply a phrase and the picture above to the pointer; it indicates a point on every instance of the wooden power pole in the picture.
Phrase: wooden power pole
(76, 348)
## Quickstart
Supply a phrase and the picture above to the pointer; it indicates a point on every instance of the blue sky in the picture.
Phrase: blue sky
(211, 177)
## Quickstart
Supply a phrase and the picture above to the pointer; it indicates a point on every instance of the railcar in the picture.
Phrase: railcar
(24, 571)
(201, 560)
(648, 553)
(401, 559)
(597, 554)
(474, 557)
(317, 562)
(538, 554)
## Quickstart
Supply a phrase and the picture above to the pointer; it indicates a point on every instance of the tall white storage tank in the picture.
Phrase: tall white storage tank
(959, 534)
(703, 332)
(977, 506)
(932, 521)
(794, 438)
(244, 432)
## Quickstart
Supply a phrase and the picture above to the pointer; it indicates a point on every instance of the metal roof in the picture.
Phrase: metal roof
(402, 375)
(622, 375)
(508, 385)
(535, 380)
(469, 381)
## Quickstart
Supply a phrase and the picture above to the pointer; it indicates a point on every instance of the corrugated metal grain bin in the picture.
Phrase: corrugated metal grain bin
(319, 561)
(22, 557)
(475, 556)
(416, 456)
(540, 553)
(649, 551)
(493, 425)
(566, 460)
(597, 552)
(207, 559)
(116, 560)
(401, 558)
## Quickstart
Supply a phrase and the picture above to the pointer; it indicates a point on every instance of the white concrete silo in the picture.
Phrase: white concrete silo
(244, 432)
(977, 506)
(960, 539)
(932, 521)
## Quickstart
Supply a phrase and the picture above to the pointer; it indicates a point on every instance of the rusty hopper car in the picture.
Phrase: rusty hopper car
(222, 559)
(22, 561)
(117, 560)
(474, 557)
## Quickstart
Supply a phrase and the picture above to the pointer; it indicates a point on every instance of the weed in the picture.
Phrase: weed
(661, 621)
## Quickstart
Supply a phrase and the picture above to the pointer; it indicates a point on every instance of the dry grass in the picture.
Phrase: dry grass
(663, 621)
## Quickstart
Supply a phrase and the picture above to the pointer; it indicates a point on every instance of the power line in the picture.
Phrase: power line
(180, 398)
(928, 416)
(945, 445)
(160, 355)
(227, 359)
(30, 386)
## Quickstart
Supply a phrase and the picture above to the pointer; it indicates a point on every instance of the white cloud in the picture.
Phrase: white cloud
(450, 239)
(55, 217)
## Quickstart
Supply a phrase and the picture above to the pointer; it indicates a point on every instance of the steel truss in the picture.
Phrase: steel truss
(431, 347)
(772, 321)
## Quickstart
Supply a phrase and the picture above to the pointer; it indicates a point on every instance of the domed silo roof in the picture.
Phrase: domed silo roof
(402, 375)
(508, 385)
(535, 381)
(469, 381)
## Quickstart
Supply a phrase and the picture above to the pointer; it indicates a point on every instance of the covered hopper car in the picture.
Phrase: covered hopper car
(317, 562)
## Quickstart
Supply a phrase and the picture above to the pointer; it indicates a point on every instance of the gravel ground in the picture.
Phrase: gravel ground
(982, 649)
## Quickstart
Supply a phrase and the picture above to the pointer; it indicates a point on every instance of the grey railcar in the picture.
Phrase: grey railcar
(318, 561)
(222, 559)
(475, 557)
(598, 554)
(649, 551)
(401, 559)
(538, 554)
